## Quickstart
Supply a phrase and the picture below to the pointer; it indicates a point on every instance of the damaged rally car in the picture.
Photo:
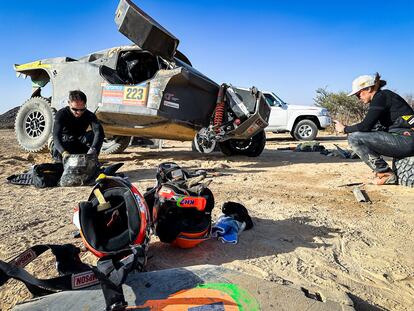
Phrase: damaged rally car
(149, 89)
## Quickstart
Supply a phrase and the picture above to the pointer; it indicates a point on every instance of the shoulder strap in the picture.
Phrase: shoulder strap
(73, 274)
(110, 272)
(25, 179)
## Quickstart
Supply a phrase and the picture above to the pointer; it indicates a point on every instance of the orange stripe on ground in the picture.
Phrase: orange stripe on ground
(188, 298)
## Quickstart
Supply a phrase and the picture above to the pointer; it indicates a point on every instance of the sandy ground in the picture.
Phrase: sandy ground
(308, 231)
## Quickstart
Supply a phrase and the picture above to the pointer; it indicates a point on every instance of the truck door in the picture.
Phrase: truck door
(279, 113)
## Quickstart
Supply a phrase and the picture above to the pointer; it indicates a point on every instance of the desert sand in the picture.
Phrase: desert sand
(308, 232)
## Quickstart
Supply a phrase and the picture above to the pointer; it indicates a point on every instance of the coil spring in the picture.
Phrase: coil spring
(218, 116)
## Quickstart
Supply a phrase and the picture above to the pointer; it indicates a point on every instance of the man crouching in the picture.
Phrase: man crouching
(70, 135)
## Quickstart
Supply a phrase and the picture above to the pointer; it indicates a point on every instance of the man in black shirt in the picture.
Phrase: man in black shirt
(396, 119)
(70, 135)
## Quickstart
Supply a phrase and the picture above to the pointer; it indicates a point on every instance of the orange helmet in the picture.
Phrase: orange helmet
(181, 217)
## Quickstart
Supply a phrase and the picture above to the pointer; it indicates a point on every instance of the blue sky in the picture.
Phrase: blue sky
(290, 47)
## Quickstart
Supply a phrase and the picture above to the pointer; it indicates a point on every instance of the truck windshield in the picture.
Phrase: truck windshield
(273, 100)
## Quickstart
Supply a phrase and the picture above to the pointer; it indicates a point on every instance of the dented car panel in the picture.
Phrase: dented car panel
(167, 95)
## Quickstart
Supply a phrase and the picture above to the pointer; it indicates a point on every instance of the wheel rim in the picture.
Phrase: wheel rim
(305, 131)
(203, 142)
(35, 124)
(203, 146)
(242, 144)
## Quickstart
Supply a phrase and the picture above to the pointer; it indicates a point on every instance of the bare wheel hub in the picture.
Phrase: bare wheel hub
(35, 124)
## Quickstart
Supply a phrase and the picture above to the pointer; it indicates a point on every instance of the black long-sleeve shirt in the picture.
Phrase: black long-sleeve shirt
(386, 107)
(67, 124)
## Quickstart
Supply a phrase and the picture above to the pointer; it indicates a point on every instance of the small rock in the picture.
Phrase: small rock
(221, 165)
(30, 157)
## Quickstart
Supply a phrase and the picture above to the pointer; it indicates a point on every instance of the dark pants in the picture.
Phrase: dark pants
(371, 146)
(76, 145)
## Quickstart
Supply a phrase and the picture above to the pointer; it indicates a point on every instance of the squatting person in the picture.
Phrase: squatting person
(70, 135)
(387, 129)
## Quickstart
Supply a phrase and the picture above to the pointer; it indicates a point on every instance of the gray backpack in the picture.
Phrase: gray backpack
(79, 170)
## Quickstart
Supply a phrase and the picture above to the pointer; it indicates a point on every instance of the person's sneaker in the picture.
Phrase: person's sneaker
(386, 178)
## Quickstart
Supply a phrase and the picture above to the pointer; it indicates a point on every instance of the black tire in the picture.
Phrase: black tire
(252, 147)
(404, 169)
(305, 130)
(34, 124)
(115, 144)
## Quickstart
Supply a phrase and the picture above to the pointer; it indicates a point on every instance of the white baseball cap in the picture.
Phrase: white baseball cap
(363, 82)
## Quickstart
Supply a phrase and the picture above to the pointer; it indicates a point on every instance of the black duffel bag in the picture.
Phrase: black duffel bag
(47, 175)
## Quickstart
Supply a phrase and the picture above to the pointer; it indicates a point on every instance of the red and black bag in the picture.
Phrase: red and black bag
(182, 207)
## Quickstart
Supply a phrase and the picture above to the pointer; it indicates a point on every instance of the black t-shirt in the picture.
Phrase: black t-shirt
(386, 108)
(67, 124)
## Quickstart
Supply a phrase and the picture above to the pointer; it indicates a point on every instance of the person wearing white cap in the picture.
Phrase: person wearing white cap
(387, 129)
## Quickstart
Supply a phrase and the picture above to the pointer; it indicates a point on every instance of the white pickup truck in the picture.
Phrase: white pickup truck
(302, 122)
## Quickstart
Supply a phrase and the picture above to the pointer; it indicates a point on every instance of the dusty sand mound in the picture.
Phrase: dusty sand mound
(7, 118)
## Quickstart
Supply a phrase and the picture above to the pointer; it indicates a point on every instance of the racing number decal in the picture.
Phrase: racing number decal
(134, 93)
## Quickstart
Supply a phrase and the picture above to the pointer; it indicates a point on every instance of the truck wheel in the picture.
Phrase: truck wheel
(34, 123)
(404, 169)
(252, 147)
(115, 144)
(305, 130)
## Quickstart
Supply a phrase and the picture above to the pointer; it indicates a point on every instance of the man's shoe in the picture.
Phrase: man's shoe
(386, 178)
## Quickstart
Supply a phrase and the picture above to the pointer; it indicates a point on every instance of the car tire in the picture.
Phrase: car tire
(34, 123)
(404, 169)
(115, 144)
(305, 130)
(252, 147)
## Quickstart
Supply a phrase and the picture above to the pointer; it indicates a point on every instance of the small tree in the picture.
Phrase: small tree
(410, 99)
(347, 109)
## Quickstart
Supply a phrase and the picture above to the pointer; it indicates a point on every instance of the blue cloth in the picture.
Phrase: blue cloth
(227, 229)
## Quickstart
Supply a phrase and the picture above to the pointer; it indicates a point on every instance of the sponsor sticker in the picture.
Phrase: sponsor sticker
(113, 87)
(253, 128)
(171, 97)
(166, 193)
(198, 202)
(409, 119)
(84, 279)
(124, 95)
(25, 258)
(260, 123)
(171, 104)
(188, 202)
(141, 204)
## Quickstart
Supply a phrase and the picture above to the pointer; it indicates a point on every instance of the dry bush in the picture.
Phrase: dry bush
(341, 107)
(410, 99)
